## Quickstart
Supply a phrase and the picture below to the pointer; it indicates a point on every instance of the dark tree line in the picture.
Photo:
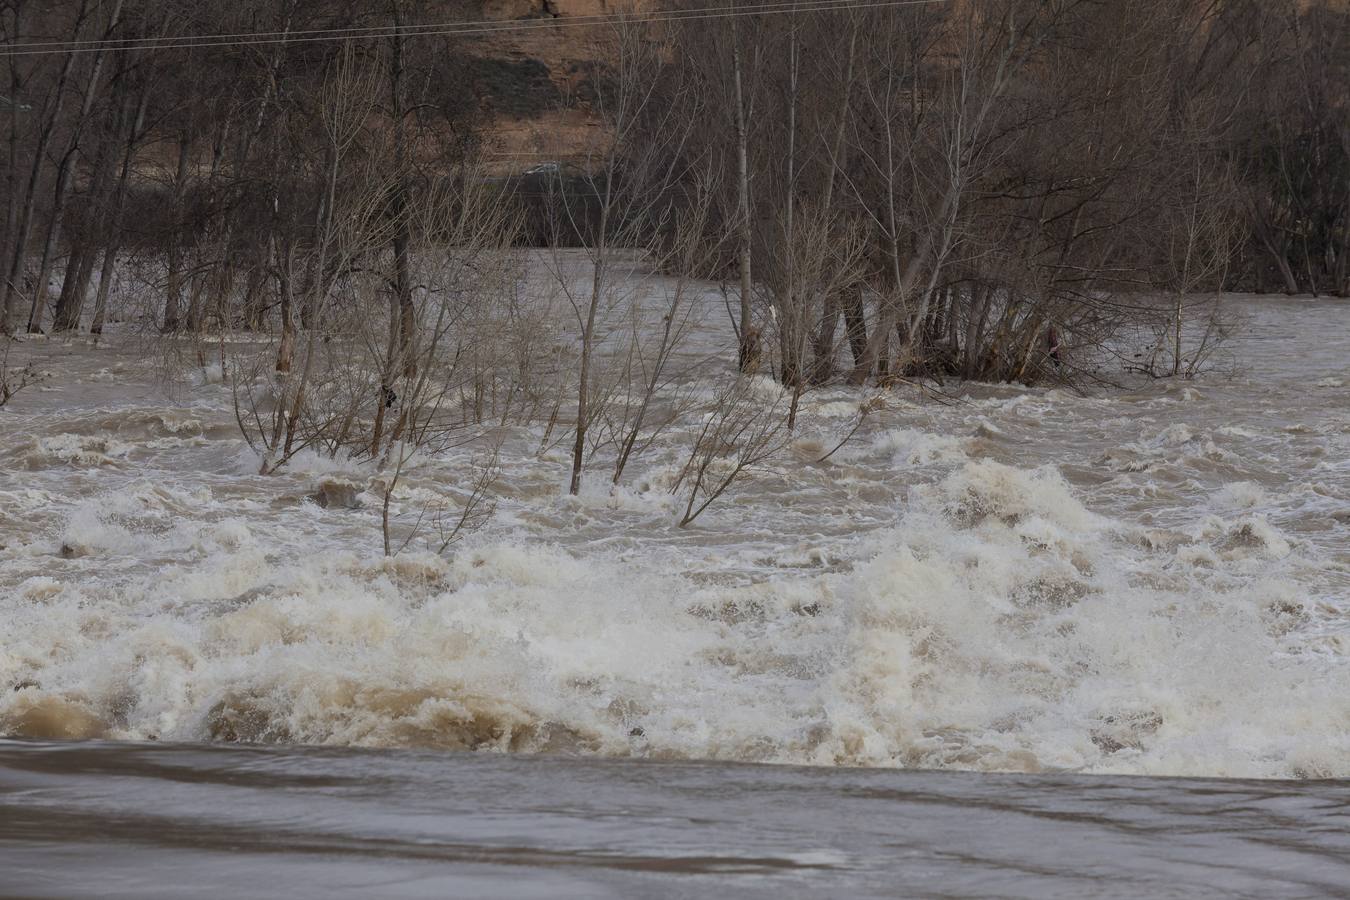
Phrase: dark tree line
(217, 159)
(940, 188)
(959, 188)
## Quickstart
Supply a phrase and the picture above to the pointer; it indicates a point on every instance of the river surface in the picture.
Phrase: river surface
(1108, 633)
(114, 820)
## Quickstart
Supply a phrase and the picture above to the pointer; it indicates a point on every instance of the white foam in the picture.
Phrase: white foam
(1002, 625)
(1042, 581)
(1241, 495)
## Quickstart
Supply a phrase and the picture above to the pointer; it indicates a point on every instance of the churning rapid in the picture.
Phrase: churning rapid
(1154, 579)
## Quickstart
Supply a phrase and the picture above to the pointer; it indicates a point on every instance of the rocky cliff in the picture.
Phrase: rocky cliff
(531, 80)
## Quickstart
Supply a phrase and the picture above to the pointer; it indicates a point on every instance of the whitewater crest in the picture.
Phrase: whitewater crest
(1145, 581)
(1001, 625)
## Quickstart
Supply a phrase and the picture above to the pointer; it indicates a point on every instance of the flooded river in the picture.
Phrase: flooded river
(139, 821)
(1021, 595)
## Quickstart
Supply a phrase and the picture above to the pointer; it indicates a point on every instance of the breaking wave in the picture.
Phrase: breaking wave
(1001, 625)
(1153, 581)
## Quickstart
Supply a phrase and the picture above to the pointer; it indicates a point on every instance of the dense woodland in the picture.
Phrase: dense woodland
(974, 188)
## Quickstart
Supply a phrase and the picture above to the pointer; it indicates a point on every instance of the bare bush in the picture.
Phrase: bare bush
(741, 429)
(15, 378)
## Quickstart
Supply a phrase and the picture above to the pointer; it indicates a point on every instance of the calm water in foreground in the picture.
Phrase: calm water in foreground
(114, 820)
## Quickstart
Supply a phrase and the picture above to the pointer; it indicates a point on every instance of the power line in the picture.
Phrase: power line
(179, 42)
(406, 30)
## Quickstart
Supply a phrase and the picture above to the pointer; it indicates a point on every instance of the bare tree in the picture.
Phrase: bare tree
(48, 113)
(740, 431)
(15, 378)
(615, 206)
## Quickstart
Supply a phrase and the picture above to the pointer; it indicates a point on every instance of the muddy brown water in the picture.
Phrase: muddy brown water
(1021, 642)
(111, 820)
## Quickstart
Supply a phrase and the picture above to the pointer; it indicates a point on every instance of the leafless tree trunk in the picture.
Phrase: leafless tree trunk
(748, 351)
(173, 291)
(51, 120)
(63, 173)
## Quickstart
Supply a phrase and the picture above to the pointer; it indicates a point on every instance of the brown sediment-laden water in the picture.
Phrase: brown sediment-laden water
(150, 820)
(1151, 579)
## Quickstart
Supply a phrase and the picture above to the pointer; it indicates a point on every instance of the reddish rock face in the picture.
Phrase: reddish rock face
(512, 9)
(587, 7)
(561, 128)
(521, 9)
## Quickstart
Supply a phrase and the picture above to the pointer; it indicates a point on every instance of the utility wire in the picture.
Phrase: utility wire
(178, 42)
(490, 24)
